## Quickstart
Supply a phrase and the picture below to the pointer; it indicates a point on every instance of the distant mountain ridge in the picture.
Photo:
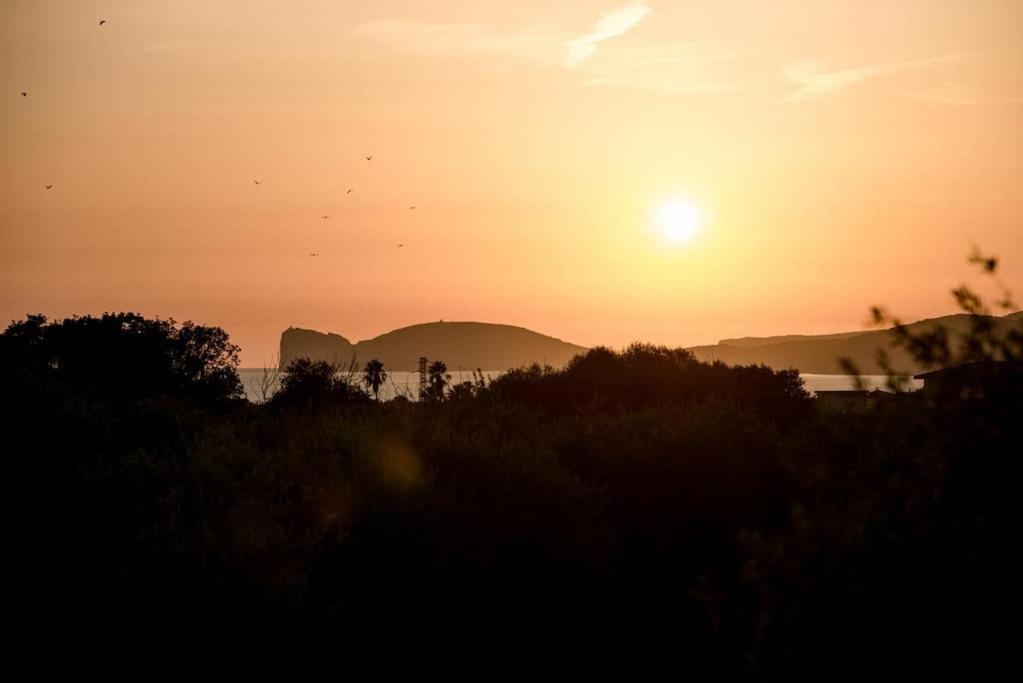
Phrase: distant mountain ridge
(821, 354)
(465, 345)
(491, 346)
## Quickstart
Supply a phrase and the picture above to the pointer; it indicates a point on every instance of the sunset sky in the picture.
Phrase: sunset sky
(839, 155)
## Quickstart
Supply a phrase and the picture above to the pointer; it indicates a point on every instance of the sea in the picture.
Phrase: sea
(407, 383)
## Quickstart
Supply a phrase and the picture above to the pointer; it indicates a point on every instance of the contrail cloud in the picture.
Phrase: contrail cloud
(613, 23)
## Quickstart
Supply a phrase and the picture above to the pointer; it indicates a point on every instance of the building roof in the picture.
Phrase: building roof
(841, 392)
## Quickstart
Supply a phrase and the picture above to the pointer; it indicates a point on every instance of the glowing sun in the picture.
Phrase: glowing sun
(679, 220)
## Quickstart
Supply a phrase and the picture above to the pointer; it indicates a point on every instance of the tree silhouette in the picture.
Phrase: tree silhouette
(373, 376)
(437, 381)
(312, 385)
(125, 357)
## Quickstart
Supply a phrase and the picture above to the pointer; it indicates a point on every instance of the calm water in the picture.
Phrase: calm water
(838, 382)
(398, 383)
(407, 383)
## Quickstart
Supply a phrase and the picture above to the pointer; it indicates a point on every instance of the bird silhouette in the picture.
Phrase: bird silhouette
(325, 217)
(350, 190)
(258, 182)
(49, 186)
(102, 21)
(24, 94)
(314, 254)
(411, 207)
(369, 158)
(401, 245)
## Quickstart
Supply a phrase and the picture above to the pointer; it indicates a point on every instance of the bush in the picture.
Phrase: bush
(637, 506)
(315, 385)
(123, 357)
(642, 375)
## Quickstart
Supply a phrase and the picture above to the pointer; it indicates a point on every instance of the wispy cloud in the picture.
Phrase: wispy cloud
(659, 67)
(613, 23)
(814, 82)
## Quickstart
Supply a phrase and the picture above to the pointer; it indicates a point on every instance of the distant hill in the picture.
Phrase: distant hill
(471, 345)
(821, 353)
(750, 342)
(465, 345)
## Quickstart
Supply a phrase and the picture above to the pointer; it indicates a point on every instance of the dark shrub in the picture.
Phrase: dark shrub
(643, 375)
(312, 385)
(124, 357)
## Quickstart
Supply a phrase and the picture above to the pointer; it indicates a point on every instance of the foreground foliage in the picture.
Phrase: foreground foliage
(635, 507)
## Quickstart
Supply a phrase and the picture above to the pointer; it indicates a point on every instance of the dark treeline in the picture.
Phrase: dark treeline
(636, 507)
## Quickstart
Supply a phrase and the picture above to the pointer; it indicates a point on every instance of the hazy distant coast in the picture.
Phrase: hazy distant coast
(471, 345)
(821, 354)
(467, 345)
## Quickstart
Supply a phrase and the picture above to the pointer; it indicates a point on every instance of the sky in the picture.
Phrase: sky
(839, 155)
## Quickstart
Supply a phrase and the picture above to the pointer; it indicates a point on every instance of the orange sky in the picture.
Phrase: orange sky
(842, 153)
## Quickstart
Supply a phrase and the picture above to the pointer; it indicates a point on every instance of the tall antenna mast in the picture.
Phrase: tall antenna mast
(422, 377)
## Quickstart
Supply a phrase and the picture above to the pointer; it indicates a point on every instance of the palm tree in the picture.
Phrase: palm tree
(373, 375)
(438, 381)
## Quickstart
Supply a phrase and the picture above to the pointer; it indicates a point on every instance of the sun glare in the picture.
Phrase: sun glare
(679, 220)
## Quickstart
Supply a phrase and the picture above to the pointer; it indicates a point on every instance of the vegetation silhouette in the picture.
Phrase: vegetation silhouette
(643, 375)
(313, 385)
(374, 376)
(437, 380)
(637, 507)
(124, 357)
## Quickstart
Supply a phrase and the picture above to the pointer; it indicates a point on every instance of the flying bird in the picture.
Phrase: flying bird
(258, 182)
(49, 186)
(24, 94)
(314, 254)
(324, 217)
(350, 190)
(411, 207)
(102, 21)
(401, 245)
(369, 158)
